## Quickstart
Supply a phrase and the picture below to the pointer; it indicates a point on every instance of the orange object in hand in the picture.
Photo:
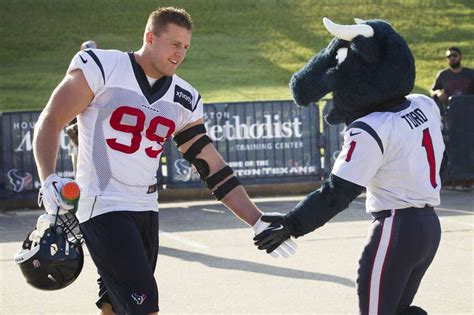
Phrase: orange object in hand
(70, 192)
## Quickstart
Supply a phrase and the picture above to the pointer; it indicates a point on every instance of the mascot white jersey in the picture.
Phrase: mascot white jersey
(122, 132)
(395, 153)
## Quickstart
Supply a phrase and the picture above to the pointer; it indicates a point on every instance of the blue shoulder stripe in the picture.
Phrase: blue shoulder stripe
(197, 102)
(370, 131)
(97, 61)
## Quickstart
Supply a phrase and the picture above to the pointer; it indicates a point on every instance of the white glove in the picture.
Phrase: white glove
(50, 195)
(286, 249)
(44, 222)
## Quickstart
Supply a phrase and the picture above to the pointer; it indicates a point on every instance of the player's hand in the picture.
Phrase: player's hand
(285, 248)
(50, 195)
(276, 235)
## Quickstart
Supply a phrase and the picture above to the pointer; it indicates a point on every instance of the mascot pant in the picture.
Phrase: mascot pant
(400, 246)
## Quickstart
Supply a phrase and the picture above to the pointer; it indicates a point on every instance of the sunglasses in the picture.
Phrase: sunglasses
(452, 56)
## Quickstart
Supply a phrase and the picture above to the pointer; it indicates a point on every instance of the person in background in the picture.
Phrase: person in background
(454, 80)
(89, 44)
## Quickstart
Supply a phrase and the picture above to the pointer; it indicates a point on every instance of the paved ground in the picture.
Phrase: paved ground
(207, 265)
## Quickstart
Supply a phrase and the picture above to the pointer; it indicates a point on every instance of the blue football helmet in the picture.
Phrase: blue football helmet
(55, 259)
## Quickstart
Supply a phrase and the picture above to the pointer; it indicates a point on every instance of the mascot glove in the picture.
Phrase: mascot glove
(268, 225)
(50, 195)
(44, 222)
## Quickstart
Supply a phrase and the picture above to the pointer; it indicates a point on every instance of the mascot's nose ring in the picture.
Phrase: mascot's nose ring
(348, 32)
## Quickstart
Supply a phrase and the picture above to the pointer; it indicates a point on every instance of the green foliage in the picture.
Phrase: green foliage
(241, 50)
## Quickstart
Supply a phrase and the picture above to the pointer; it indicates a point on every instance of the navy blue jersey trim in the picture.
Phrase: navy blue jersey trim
(93, 206)
(370, 131)
(197, 102)
(399, 108)
(97, 61)
(158, 89)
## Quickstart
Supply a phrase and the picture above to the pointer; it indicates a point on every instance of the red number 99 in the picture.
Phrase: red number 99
(117, 123)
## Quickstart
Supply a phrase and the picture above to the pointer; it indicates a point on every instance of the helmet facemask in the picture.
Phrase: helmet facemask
(54, 259)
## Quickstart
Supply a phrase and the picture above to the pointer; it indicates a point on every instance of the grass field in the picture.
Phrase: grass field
(241, 50)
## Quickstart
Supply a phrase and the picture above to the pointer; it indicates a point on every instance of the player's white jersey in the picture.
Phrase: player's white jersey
(396, 155)
(121, 133)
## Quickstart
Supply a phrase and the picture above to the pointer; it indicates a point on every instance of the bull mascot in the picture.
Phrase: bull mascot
(392, 148)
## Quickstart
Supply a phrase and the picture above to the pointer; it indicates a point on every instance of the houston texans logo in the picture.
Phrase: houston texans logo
(19, 182)
(183, 169)
(139, 298)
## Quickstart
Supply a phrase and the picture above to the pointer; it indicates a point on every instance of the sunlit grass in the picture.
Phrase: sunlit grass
(241, 50)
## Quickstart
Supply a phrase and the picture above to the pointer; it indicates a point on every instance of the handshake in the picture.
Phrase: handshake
(273, 234)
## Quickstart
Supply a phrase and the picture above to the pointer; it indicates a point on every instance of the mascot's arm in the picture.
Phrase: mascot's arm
(321, 205)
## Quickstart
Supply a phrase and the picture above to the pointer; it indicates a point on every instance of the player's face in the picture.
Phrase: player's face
(168, 50)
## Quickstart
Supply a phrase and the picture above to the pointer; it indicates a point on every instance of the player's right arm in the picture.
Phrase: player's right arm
(69, 98)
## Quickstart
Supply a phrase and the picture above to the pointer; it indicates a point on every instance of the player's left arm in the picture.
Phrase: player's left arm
(197, 149)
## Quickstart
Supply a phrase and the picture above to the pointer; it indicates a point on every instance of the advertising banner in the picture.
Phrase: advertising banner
(264, 142)
(19, 172)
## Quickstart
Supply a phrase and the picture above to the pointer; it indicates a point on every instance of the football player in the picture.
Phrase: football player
(128, 104)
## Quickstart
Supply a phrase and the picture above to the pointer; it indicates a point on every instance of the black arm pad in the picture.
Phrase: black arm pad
(320, 206)
(188, 134)
(218, 176)
(196, 148)
(226, 187)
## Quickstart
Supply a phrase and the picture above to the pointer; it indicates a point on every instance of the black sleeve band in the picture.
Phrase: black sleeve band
(188, 134)
(225, 188)
(196, 148)
(218, 176)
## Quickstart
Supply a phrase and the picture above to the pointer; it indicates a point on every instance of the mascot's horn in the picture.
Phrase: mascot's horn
(348, 32)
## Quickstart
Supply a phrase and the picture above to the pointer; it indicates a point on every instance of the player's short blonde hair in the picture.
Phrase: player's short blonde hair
(160, 18)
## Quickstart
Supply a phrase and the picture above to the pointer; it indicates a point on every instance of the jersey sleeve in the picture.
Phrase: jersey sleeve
(193, 115)
(360, 157)
(92, 68)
